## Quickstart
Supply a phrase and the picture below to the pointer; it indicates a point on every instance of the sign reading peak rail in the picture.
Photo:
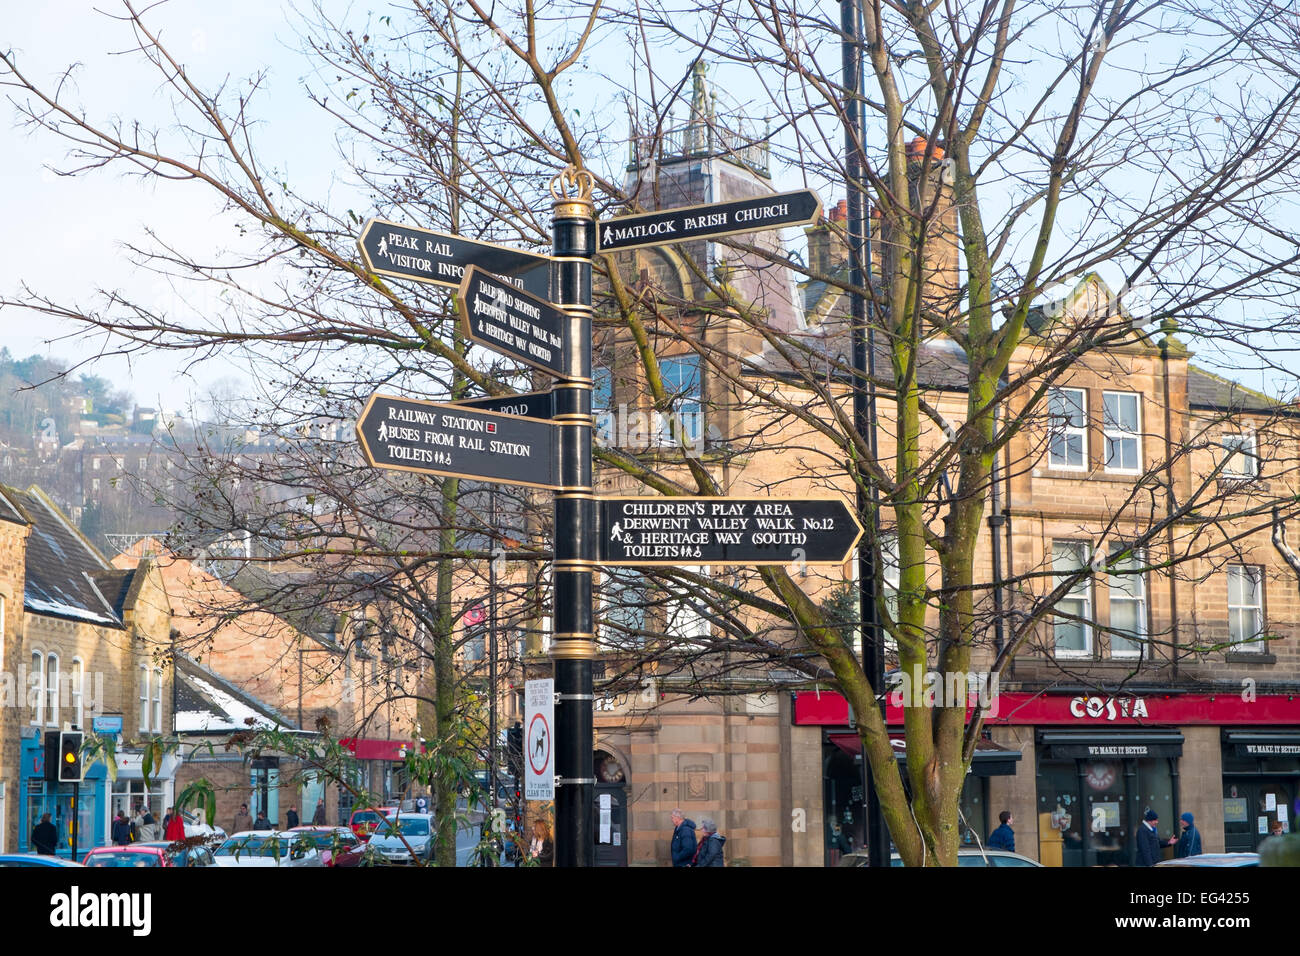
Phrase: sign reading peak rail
(405, 434)
(514, 323)
(674, 531)
(710, 221)
(404, 252)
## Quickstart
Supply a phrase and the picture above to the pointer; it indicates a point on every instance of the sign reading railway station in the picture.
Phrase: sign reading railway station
(454, 441)
(673, 531)
(709, 221)
(497, 315)
(439, 258)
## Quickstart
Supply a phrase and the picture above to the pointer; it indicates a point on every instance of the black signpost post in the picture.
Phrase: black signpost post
(710, 221)
(403, 252)
(648, 531)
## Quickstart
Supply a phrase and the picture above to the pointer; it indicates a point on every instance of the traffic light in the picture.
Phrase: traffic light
(51, 756)
(515, 749)
(70, 770)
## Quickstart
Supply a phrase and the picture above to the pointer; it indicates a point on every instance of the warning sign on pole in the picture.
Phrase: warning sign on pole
(539, 718)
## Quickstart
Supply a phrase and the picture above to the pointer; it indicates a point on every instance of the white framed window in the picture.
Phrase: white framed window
(1128, 604)
(52, 690)
(1067, 410)
(1123, 431)
(684, 424)
(157, 700)
(1246, 607)
(890, 577)
(36, 688)
(1072, 629)
(1240, 457)
(622, 606)
(77, 691)
(144, 463)
(144, 697)
(94, 464)
(686, 619)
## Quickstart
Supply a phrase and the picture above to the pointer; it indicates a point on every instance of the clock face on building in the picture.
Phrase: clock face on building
(1100, 776)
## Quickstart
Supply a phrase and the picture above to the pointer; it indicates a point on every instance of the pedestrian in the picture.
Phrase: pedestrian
(1274, 830)
(242, 820)
(1003, 838)
(149, 830)
(121, 829)
(318, 818)
(683, 845)
(1148, 841)
(261, 823)
(1189, 844)
(167, 818)
(291, 818)
(137, 821)
(709, 852)
(45, 836)
(175, 828)
(542, 849)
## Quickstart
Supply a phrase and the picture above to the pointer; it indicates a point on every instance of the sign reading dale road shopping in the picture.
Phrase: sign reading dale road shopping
(440, 258)
(675, 531)
(497, 315)
(709, 221)
(405, 434)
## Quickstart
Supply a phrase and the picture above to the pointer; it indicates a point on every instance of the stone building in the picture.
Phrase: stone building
(85, 648)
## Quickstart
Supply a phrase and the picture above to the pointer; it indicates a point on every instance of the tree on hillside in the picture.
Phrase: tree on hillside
(1010, 149)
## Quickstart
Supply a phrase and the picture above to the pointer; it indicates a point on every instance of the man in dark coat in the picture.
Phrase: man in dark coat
(318, 818)
(45, 836)
(1189, 844)
(1148, 841)
(1003, 838)
(683, 847)
(709, 852)
(121, 830)
(261, 823)
(291, 818)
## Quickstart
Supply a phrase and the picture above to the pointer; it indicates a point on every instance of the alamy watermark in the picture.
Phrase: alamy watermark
(951, 689)
(635, 430)
(28, 688)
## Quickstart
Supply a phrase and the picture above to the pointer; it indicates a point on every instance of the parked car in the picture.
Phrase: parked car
(389, 842)
(195, 825)
(998, 858)
(1215, 859)
(33, 859)
(267, 848)
(160, 853)
(338, 846)
(363, 822)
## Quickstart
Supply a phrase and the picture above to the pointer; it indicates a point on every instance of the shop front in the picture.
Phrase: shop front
(60, 800)
(1261, 785)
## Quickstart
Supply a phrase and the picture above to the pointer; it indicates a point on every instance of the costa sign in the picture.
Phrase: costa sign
(1107, 708)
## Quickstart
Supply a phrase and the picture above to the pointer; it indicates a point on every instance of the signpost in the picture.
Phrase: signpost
(544, 440)
(528, 404)
(404, 434)
(646, 531)
(522, 326)
(710, 221)
(403, 252)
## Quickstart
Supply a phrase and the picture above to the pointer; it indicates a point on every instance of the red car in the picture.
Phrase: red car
(338, 846)
(363, 822)
(149, 854)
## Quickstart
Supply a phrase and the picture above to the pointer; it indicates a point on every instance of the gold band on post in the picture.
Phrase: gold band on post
(573, 650)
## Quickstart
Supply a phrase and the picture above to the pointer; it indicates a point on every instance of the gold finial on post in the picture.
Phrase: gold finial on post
(571, 190)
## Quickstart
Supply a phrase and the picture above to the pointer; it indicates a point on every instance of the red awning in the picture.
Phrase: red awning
(366, 749)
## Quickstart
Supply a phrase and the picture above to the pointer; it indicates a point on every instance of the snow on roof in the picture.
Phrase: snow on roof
(234, 716)
(39, 606)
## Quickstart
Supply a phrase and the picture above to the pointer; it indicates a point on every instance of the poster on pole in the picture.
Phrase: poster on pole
(539, 719)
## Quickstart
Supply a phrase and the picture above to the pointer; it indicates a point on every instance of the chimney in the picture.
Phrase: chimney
(940, 241)
(841, 211)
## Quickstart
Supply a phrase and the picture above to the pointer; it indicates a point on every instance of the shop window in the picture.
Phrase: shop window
(1068, 429)
(1128, 603)
(1122, 431)
(1072, 629)
(52, 690)
(37, 690)
(1246, 608)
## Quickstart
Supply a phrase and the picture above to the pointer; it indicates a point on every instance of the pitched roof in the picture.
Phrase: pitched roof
(208, 703)
(1210, 391)
(64, 571)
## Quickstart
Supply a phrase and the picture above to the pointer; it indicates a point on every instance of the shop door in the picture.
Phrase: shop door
(609, 813)
(1251, 805)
